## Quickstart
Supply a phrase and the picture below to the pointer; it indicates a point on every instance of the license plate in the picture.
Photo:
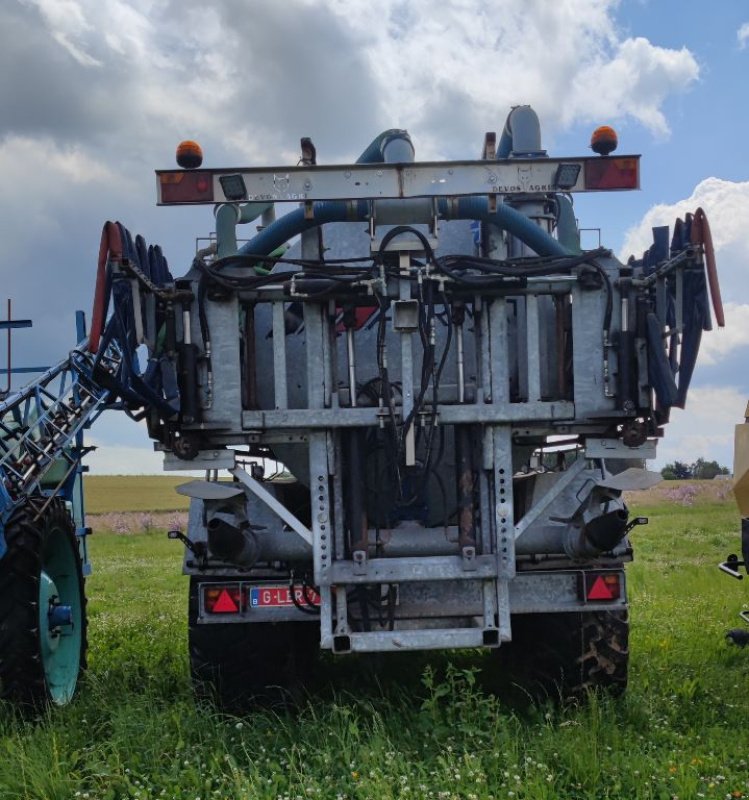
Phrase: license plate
(280, 597)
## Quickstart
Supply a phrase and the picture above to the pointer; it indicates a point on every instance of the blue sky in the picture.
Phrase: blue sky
(709, 122)
(96, 94)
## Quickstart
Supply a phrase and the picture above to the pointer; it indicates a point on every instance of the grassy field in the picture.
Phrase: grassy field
(422, 727)
(115, 493)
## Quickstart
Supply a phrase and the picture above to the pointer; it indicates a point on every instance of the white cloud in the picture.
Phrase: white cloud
(482, 60)
(67, 21)
(705, 428)
(448, 72)
(743, 35)
(720, 342)
(634, 81)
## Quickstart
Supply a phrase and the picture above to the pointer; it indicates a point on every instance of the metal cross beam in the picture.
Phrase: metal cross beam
(516, 176)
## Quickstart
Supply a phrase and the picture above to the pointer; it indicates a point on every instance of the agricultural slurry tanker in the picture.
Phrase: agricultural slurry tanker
(456, 388)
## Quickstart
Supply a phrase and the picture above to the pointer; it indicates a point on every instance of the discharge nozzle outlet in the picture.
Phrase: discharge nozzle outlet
(597, 534)
(238, 545)
(606, 531)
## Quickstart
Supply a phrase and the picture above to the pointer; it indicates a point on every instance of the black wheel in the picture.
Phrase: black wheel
(567, 654)
(240, 665)
(42, 607)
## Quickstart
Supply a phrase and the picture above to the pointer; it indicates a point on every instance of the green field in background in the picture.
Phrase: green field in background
(413, 725)
(107, 494)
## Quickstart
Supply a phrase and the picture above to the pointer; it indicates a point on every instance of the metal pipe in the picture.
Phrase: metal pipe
(567, 231)
(560, 305)
(461, 365)
(228, 216)
(457, 319)
(396, 143)
(351, 365)
(606, 531)
(626, 351)
(521, 134)
(464, 469)
(349, 321)
(357, 512)
(231, 543)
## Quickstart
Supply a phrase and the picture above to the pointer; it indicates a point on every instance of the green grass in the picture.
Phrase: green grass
(421, 728)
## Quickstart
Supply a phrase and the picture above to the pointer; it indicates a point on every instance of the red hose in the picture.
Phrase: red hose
(701, 235)
(110, 249)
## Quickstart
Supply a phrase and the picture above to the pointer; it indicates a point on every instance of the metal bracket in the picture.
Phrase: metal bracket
(469, 558)
(360, 562)
(176, 535)
(635, 522)
(266, 497)
(731, 567)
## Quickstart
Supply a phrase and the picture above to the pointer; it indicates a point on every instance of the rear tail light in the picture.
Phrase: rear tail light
(601, 587)
(193, 186)
(612, 173)
(222, 599)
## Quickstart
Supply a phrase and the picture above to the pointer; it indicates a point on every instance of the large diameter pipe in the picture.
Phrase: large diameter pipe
(567, 231)
(228, 216)
(395, 146)
(477, 208)
(605, 532)
(505, 217)
(406, 539)
(296, 222)
(521, 134)
(231, 543)
(392, 146)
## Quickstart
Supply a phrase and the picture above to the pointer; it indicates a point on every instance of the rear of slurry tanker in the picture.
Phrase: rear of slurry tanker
(457, 393)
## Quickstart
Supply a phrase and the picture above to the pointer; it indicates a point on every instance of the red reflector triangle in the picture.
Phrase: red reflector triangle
(599, 590)
(225, 604)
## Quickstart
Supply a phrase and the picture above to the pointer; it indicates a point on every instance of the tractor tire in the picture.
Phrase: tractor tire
(241, 665)
(40, 574)
(567, 655)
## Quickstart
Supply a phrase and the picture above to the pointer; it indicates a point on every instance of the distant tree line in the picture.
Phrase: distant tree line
(700, 470)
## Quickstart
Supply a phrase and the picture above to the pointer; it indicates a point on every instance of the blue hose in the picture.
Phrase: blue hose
(292, 224)
(504, 217)
(507, 218)
(324, 211)
(476, 208)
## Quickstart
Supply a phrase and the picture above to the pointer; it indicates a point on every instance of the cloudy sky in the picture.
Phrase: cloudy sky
(95, 94)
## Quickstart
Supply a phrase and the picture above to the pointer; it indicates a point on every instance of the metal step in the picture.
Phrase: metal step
(428, 639)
